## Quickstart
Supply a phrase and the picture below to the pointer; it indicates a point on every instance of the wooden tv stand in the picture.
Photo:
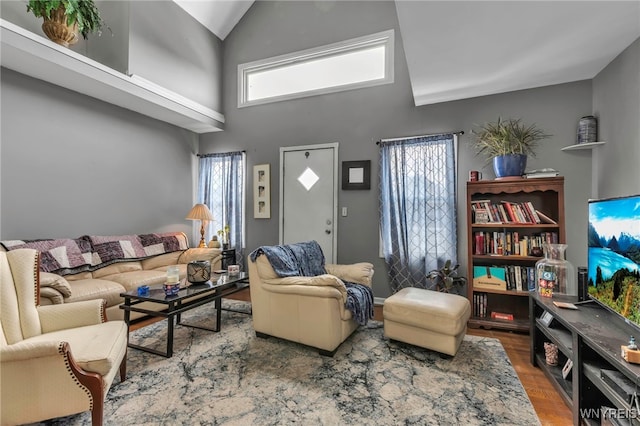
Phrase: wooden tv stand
(590, 337)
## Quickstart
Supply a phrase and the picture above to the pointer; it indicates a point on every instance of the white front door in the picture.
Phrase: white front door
(309, 196)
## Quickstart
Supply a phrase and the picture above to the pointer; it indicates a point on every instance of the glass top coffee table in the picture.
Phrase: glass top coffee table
(189, 297)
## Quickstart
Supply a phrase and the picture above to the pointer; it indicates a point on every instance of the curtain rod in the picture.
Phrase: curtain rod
(459, 132)
(219, 153)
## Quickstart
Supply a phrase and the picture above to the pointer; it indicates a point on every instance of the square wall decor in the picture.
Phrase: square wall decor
(356, 174)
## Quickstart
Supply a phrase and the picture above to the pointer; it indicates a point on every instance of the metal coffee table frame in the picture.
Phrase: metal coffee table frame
(187, 298)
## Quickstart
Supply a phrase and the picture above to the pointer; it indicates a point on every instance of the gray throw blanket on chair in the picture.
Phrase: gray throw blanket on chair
(307, 260)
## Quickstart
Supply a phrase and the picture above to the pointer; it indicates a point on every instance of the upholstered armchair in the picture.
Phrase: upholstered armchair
(55, 360)
(305, 309)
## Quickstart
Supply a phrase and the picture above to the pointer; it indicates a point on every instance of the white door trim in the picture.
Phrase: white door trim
(333, 145)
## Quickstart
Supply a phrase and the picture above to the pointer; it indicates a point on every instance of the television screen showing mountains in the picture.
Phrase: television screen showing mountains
(614, 255)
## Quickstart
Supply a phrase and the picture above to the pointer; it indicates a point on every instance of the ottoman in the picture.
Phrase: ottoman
(425, 318)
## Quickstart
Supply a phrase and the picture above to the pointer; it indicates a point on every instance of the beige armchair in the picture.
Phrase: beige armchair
(55, 360)
(307, 310)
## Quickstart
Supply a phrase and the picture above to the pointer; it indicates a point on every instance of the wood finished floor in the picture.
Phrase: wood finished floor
(545, 399)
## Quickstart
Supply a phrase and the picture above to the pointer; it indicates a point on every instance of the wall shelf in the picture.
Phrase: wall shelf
(586, 145)
(38, 57)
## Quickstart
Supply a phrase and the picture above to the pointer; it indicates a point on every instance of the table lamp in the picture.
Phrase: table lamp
(200, 212)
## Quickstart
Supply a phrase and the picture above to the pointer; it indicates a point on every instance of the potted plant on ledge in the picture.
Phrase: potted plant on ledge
(64, 18)
(507, 143)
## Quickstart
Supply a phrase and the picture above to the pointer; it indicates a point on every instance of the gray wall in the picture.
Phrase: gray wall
(358, 118)
(616, 103)
(72, 165)
(172, 49)
(156, 40)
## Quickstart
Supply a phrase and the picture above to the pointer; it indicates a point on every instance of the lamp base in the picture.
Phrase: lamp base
(202, 244)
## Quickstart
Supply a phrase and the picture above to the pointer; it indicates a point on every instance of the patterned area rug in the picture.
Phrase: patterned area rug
(234, 378)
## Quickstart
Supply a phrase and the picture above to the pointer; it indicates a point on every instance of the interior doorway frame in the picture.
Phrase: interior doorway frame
(283, 150)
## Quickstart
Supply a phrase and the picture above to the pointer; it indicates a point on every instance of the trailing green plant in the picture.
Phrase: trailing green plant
(504, 137)
(446, 277)
(84, 12)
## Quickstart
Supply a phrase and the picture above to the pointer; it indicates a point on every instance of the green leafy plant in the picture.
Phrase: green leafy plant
(504, 137)
(224, 234)
(84, 12)
(446, 277)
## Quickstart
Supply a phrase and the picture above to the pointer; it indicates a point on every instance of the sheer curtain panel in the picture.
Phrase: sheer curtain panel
(417, 207)
(221, 186)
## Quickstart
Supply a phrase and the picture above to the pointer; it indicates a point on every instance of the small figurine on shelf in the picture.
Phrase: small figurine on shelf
(630, 353)
(214, 243)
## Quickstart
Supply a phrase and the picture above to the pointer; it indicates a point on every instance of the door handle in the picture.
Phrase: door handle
(327, 231)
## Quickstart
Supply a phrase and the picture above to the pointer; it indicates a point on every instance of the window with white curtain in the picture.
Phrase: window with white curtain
(417, 207)
(221, 186)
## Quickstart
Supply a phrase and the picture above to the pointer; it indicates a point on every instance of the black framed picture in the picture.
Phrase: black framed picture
(356, 174)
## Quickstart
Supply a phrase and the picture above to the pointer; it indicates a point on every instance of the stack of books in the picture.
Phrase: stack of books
(541, 173)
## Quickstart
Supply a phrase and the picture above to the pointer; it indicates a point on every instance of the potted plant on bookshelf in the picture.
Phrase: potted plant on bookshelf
(507, 143)
(63, 19)
(446, 279)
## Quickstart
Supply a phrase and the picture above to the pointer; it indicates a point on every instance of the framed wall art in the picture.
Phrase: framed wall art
(261, 191)
(356, 174)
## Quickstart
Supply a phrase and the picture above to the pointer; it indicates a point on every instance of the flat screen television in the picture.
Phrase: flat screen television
(614, 255)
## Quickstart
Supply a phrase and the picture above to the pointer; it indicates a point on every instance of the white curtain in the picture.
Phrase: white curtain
(417, 207)
(221, 186)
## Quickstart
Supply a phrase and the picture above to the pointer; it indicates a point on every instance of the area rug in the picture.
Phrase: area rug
(235, 378)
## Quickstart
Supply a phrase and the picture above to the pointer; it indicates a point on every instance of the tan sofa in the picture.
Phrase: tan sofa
(307, 310)
(107, 282)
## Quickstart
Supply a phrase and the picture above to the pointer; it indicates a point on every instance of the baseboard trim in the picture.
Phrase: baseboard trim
(379, 301)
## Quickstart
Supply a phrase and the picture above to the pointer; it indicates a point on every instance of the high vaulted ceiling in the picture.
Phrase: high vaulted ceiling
(463, 49)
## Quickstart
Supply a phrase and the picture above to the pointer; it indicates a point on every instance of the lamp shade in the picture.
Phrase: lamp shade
(200, 212)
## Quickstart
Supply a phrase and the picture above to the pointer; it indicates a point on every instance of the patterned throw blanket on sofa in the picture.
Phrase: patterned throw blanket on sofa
(307, 260)
(65, 256)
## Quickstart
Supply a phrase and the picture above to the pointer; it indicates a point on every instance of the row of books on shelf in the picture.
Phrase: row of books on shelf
(506, 277)
(484, 211)
(510, 243)
(480, 309)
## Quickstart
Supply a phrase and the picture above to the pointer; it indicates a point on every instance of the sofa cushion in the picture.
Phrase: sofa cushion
(79, 276)
(117, 268)
(134, 279)
(88, 344)
(96, 289)
(199, 254)
(56, 282)
(360, 273)
(161, 260)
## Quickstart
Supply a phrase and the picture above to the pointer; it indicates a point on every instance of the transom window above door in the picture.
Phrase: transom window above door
(361, 62)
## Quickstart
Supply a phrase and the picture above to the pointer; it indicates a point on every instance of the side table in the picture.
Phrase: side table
(228, 258)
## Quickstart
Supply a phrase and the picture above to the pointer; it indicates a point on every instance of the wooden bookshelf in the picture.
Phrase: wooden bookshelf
(545, 195)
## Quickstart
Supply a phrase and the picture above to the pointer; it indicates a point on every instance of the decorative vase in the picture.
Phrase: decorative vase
(214, 243)
(198, 271)
(550, 353)
(57, 29)
(509, 165)
(555, 274)
(587, 129)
